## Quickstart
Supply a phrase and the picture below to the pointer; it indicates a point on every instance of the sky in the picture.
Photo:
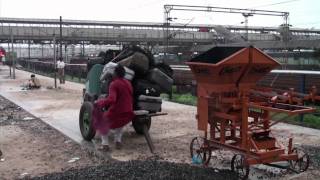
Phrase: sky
(303, 13)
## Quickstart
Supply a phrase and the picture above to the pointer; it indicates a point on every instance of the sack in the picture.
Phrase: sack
(129, 51)
(160, 78)
(165, 68)
(129, 74)
(138, 62)
(108, 71)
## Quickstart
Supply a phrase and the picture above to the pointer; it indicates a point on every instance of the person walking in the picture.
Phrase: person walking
(119, 105)
(60, 66)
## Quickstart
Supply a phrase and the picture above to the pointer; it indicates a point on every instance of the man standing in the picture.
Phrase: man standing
(120, 109)
(60, 66)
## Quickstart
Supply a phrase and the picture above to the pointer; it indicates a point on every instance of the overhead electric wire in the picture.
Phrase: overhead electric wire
(308, 23)
(144, 5)
(273, 4)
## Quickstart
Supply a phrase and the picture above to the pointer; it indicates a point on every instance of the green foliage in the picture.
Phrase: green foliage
(73, 79)
(184, 99)
(187, 99)
(174, 89)
(309, 120)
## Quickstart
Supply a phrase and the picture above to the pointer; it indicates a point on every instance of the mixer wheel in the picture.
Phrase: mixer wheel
(302, 163)
(200, 150)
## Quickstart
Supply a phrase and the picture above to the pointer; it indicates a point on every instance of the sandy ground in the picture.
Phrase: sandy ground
(171, 134)
(31, 148)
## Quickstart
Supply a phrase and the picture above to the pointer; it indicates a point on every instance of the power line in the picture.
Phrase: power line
(144, 5)
(308, 23)
(273, 4)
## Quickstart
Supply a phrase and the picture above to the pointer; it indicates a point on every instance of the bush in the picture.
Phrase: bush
(184, 99)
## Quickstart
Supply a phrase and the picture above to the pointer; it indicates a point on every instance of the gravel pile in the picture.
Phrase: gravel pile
(141, 170)
(10, 113)
(313, 152)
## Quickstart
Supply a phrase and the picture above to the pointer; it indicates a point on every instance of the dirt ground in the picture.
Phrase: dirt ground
(31, 148)
(171, 135)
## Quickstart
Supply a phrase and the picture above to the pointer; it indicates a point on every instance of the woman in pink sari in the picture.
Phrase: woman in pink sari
(119, 105)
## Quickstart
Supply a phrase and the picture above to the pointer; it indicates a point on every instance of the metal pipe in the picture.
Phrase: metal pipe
(157, 114)
(13, 59)
(29, 50)
(148, 138)
(225, 9)
(55, 61)
(66, 53)
(302, 86)
(29, 54)
(10, 55)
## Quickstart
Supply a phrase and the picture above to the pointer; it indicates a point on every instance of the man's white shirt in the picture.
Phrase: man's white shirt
(60, 64)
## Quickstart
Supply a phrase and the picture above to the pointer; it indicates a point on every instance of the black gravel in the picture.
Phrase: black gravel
(313, 152)
(11, 113)
(142, 170)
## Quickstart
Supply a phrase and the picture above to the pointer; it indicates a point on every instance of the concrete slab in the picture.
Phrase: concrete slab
(57, 107)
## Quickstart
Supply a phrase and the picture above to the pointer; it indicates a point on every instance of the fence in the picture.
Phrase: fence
(183, 78)
(74, 71)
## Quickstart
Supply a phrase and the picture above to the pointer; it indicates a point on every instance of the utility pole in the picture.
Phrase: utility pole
(55, 61)
(65, 53)
(29, 58)
(42, 50)
(82, 47)
(166, 30)
(10, 54)
(60, 38)
(246, 15)
(286, 39)
(13, 59)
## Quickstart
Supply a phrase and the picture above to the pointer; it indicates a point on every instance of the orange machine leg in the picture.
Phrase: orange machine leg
(244, 123)
(223, 131)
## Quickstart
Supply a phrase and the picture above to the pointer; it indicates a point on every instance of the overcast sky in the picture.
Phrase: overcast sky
(303, 13)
